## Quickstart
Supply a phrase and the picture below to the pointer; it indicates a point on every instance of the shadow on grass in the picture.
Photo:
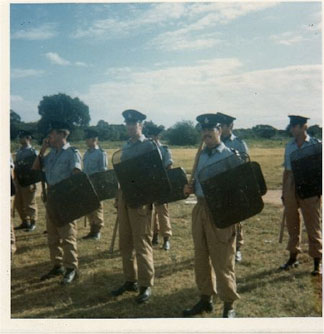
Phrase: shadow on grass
(90, 297)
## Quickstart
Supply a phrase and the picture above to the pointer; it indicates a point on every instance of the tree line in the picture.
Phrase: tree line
(76, 113)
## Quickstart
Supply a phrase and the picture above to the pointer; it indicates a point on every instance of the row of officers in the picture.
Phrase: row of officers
(215, 249)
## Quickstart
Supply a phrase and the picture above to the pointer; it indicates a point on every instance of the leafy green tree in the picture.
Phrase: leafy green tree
(315, 131)
(61, 107)
(264, 131)
(183, 133)
(148, 125)
(15, 124)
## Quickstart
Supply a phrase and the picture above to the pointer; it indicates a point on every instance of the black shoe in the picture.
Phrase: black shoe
(166, 244)
(144, 295)
(127, 286)
(238, 256)
(92, 235)
(23, 226)
(317, 267)
(228, 311)
(200, 307)
(69, 276)
(291, 263)
(155, 240)
(31, 227)
(55, 271)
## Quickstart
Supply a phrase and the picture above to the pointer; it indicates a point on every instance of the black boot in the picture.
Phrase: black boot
(144, 294)
(23, 226)
(166, 243)
(317, 267)
(205, 304)
(55, 271)
(31, 226)
(127, 286)
(155, 240)
(291, 263)
(228, 311)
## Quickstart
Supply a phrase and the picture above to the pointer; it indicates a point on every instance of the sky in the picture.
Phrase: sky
(258, 61)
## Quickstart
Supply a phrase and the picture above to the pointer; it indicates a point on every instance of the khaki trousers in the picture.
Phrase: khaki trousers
(62, 243)
(96, 219)
(239, 235)
(135, 242)
(214, 249)
(310, 208)
(25, 202)
(162, 220)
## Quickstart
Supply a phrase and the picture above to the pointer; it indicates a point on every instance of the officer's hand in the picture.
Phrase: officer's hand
(188, 189)
(45, 145)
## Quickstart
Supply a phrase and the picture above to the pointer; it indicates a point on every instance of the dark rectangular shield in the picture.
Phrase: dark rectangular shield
(71, 199)
(306, 165)
(142, 177)
(178, 179)
(24, 174)
(232, 195)
(105, 184)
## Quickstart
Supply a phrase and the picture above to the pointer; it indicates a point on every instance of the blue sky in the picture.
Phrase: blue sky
(256, 61)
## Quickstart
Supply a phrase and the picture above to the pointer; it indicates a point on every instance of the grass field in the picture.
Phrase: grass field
(264, 291)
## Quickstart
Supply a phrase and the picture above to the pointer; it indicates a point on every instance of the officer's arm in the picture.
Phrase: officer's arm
(103, 165)
(76, 162)
(37, 164)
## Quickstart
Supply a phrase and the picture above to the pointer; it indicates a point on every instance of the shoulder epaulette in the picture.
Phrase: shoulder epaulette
(236, 152)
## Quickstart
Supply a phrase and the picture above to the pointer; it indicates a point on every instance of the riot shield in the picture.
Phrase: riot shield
(141, 174)
(306, 165)
(71, 199)
(231, 190)
(25, 175)
(178, 179)
(105, 184)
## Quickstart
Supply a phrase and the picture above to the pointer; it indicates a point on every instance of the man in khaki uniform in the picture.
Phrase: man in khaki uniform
(25, 198)
(94, 161)
(310, 207)
(135, 224)
(214, 247)
(60, 163)
(162, 223)
(233, 142)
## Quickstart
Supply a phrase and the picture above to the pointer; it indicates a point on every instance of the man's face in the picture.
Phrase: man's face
(134, 129)
(54, 138)
(91, 142)
(297, 129)
(226, 129)
(24, 141)
(211, 136)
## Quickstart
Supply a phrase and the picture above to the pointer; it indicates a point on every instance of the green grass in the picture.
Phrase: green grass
(264, 291)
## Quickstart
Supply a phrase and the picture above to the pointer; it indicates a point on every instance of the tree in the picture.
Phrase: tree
(61, 107)
(183, 133)
(264, 131)
(15, 124)
(148, 125)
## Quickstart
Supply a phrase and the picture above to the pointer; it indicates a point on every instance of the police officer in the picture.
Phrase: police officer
(94, 161)
(60, 163)
(310, 207)
(233, 142)
(214, 247)
(25, 198)
(161, 211)
(135, 224)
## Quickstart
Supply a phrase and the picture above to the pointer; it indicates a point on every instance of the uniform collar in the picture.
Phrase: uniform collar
(219, 148)
(66, 146)
(94, 148)
(307, 139)
(140, 139)
(25, 147)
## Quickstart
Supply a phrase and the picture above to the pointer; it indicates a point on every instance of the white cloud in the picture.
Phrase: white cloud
(170, 94)
(287, 38)
(55, 58)
(25, 73)
(193, 17)
(45, 31)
